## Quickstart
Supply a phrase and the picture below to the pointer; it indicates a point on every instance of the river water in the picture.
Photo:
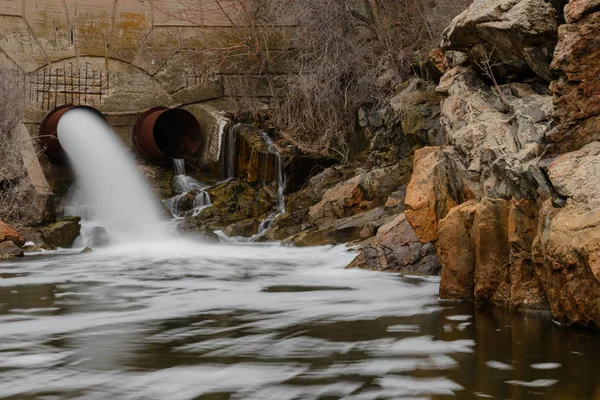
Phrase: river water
(181, 320)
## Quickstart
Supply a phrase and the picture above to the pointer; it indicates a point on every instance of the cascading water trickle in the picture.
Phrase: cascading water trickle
(118, 198)
(179, 166)
(192, 198)
(229, 160)
(268, 222)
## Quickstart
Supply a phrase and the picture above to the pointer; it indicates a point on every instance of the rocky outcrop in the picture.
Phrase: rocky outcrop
(396, 248)
(577, 91)
(62, 233)
(515, 38)
(510, 201)
(233, 201)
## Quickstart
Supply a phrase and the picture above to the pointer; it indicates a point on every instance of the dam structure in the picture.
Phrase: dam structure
(125, 57)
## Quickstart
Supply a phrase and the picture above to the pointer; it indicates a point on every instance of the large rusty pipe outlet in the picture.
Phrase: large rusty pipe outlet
(49, 137)
(162, 133)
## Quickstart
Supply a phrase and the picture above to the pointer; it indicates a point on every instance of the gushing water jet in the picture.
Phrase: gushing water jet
(48, 135)
(118, 197)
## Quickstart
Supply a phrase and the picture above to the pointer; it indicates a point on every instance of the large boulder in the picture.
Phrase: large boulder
(577, 91)
(396, 248)
(63, 232)
(516, 38)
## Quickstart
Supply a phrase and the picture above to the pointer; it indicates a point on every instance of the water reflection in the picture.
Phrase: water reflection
(183, 321)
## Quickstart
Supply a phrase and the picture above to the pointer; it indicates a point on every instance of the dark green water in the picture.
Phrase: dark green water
(186, 321)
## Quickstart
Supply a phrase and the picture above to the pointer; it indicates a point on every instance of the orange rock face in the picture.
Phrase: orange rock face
(9, 234)
(486, 253)
(427, 198)
(457, 254)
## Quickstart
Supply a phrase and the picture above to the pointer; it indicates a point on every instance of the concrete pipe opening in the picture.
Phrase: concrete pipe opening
(162, 134)
(49, 137)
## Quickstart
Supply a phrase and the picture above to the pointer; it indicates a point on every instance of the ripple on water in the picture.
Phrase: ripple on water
(180, 320)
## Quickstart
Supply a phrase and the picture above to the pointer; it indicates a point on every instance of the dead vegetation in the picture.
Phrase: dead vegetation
(316, 62)
(13, 182)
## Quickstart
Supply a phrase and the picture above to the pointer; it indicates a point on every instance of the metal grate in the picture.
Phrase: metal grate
(53, 85)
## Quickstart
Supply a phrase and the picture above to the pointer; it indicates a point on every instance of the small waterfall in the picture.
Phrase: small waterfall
(179, 166)
(114, 194)
(229, 160)
(192, 197)
(280, 205)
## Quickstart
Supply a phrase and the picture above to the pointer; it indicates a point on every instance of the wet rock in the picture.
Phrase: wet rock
(10, 250)
(34, 235)
(31, 248)
(250, 157)
(206, 234)
(233, 201)
(396, 248)
(98, 237)
(159, 178)
(9, 234)
(86, 250)
(63, 232)
(518, 35)
(244, 228)
(577, 91)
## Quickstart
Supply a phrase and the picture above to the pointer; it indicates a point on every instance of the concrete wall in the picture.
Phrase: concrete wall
(121, 56)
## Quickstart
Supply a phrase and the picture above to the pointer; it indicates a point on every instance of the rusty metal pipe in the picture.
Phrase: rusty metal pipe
(49, 137)
(162, 133)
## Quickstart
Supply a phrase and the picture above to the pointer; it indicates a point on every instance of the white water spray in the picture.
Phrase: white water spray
(118, 197)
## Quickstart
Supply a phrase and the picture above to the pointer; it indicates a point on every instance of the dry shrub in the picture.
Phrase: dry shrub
(334, 53)
(344, 48)
(13, 181)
